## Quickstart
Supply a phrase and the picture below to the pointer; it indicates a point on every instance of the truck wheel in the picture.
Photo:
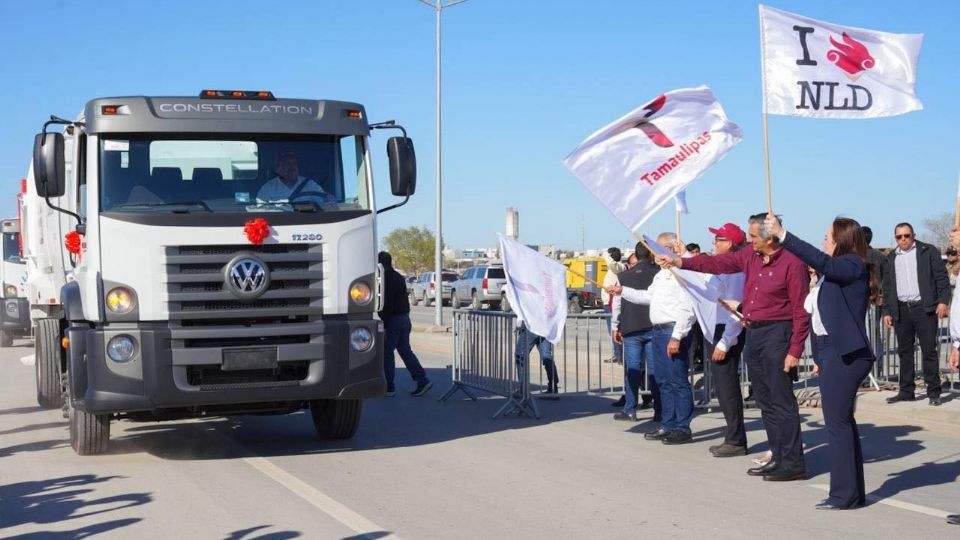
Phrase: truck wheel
(89, 433)
(475, 302)
(575, 306)
(413, 299)
(336, 418)
(505, 304)
(454, 303)
(47, 361)
(6, 338)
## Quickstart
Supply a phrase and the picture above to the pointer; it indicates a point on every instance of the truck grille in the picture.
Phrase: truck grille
(204, 313)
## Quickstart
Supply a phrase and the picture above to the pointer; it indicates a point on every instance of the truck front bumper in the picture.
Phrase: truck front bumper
(15, 315)
(159, 376)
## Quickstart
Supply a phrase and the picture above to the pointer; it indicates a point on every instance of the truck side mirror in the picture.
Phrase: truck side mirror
(48, 164)
(403, 166)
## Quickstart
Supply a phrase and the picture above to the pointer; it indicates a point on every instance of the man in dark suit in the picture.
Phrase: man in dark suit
(916, 291)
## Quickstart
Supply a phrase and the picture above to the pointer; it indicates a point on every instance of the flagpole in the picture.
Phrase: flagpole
(763, 94)
(956, 214)
(581, 276)
(677, 214)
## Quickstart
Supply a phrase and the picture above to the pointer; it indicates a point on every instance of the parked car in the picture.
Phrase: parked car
(479, 285)
(424, 288)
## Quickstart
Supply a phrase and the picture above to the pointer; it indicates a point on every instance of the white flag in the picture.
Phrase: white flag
(704, 289)
(822, 70)
(642, 160)
(536, 289)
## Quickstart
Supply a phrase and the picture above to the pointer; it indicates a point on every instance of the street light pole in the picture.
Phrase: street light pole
(438, 6)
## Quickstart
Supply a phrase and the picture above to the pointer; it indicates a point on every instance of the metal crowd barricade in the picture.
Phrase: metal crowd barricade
(484, 360)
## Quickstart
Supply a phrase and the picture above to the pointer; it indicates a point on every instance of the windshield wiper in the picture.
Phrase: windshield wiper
(164, 204)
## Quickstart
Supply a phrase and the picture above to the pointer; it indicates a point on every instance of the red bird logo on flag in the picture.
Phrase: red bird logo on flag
(850, 56)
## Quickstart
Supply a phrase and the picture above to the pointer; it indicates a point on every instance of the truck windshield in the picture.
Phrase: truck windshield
(245, 174)
(11, 248)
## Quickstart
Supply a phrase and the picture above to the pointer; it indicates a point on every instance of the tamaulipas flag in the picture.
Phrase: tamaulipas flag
(822, 70)
(642, 160)
(704, 290)
(536, 289)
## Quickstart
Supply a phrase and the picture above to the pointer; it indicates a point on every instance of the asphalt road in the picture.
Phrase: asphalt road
(423, 469)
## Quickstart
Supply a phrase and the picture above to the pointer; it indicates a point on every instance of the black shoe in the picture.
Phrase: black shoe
(729, 450)
(764, 470)
(935, 401)
(677, 437)
(953, 519)
(646, 405)
(632, 417)
(827, 505)
(901, 397)
(422, 388)
(620, 402)
(657, 435)
(784, 475)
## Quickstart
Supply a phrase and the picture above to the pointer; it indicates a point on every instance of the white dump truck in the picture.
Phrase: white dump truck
(15, 318)
(207, 256)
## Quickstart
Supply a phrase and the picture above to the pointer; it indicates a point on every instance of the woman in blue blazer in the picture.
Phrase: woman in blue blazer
(841, 349)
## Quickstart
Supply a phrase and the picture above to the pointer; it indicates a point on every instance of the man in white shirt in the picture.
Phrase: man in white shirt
(954, 519)
(671, 312)
(290, 186)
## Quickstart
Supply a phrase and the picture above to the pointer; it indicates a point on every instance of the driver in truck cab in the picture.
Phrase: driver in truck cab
(289, 185)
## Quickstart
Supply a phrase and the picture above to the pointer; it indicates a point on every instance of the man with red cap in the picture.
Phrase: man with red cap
(724, 349)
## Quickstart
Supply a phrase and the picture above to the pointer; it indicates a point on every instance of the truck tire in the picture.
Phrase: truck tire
(505, 304)
(6, 338)
(575, 306)
(454, 303)
(89, 433)
(413, 298)
(47, 363)
(336, 418)
(475, 302)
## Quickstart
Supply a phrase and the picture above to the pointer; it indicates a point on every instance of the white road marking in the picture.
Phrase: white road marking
(28, 360)
(897, 504)
(331, 507)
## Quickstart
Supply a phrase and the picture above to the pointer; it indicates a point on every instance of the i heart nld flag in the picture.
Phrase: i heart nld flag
(536, 289)
(823, 70)
(645, 158)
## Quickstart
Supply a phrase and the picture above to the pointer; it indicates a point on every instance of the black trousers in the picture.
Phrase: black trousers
(917, 323)
(726, 381)
(840, 378)
(764, 352)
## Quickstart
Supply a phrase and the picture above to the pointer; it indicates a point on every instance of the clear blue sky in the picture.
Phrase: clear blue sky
(524, 82)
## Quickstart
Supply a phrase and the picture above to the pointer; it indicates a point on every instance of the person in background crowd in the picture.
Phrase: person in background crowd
(693, 249)
(953, 264)
(395, 314)
(526, 341)
(776, 329)
(671, 313)
(633, 329)
(841, 348)
(954, 519)
(877, 261)
(916, 291)
(612, 257)
(724, 352)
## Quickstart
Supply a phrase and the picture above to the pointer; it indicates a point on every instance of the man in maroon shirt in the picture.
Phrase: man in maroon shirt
(776, 328)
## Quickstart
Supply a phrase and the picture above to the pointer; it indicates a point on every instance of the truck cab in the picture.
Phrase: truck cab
(208, 255)
(15, 318)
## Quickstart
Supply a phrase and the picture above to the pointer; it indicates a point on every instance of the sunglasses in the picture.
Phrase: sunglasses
(903, 236)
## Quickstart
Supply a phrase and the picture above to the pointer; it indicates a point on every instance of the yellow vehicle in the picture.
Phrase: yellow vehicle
(581, 293)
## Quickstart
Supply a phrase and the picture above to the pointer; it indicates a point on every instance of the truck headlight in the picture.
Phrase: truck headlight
(10, 291)
(121, 348)
(121, 300)
(360, 293)
(361, 339)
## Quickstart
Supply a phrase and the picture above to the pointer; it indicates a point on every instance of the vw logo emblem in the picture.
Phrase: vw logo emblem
(247, 276)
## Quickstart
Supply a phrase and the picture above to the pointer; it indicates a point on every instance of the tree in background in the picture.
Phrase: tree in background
(938, 229)
(412, 249)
